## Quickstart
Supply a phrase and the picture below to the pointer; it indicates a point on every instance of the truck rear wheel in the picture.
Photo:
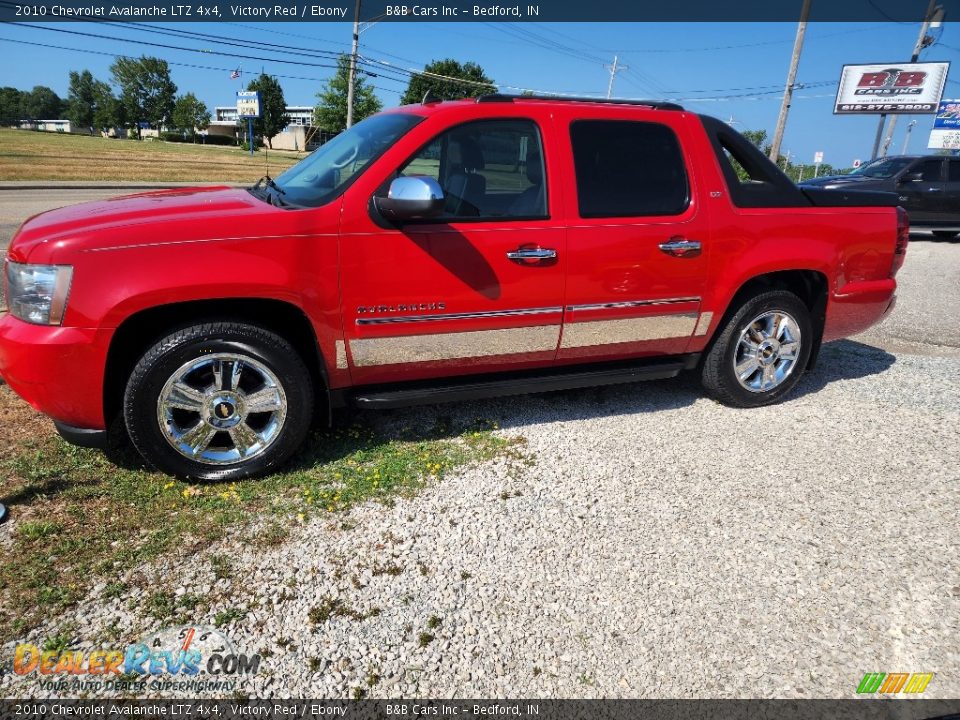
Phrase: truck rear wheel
(761, 352)
(218, 401)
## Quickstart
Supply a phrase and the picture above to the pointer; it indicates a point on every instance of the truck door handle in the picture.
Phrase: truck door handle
(681, 247)
(532, 253)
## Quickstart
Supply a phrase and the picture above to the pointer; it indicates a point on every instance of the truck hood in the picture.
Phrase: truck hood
(185, 214)
(849, 182)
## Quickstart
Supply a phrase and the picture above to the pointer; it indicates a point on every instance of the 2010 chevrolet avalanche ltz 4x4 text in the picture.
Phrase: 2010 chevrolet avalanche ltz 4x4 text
(439, 251)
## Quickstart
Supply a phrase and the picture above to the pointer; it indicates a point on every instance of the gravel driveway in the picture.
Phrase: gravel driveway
(655, 544)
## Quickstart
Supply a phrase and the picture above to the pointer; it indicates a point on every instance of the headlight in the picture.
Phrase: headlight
(38, 293)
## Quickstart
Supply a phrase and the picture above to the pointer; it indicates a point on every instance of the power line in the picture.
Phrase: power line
(571, 93)
(530, 37)
(172, 47)
(740, 46)
(313, 39)
(169, 62)
(376, 68)
(409, 73)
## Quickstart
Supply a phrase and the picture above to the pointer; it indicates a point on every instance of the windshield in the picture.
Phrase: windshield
(330, 169)
(882, 167)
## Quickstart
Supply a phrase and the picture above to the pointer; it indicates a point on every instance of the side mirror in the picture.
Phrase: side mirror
(411, 198)
(912, 177)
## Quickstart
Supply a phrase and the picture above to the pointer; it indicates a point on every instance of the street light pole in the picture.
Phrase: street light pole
(351, 82)
(906, 140)
(921, 43)
(791, 77)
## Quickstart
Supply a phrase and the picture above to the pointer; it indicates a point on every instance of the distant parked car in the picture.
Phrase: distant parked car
(928, 187)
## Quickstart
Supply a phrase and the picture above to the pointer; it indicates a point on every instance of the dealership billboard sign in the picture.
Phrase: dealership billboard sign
(946, 127)
(907, 88)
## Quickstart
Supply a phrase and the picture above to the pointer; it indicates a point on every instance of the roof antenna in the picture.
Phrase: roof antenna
(429, 97)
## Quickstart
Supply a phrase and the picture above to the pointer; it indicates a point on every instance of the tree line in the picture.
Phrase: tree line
(141, 92)
(795, 171)
(146, 94)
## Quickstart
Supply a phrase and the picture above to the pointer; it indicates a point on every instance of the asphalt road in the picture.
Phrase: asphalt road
(925, 321)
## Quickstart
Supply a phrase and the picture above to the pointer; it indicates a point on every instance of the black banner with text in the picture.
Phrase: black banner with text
(878, 709)
(465, 10)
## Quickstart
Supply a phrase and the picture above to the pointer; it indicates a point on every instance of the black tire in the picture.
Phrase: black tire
(718, 375)
(263, 356)
(944, 234)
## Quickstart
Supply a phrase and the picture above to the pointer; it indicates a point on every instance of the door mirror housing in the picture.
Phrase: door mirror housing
(915, 176)
(413, 197)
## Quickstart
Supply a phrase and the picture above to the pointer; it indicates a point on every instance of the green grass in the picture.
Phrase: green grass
(225, 617)
(80, 519)
(29, 155)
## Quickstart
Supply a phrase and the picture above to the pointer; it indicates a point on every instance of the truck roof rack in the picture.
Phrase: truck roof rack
(654, 104)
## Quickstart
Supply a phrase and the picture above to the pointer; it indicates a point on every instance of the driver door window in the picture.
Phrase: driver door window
(487, 169)
(929, 170)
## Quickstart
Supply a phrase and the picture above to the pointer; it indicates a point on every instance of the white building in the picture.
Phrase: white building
(299, 134)
(62, 126)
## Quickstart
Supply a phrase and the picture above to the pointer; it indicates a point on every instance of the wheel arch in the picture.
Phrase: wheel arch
(807, 284)
(142, 329)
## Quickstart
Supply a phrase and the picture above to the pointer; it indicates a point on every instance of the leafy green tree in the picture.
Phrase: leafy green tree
(42, 103)
(273, 108)
(81, 98)
(477, 82)
(91, 104)
(146, 90)
(108, 110)
(331, 111)
(758, 138)
(11, 105)
(190, 114)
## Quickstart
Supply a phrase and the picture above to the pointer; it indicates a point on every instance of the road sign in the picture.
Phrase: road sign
(857, 163)
(818, 156)
(248, 103)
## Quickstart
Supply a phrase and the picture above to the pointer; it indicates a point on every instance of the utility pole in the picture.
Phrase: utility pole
(932, 9)
(351, 82)
(878, 136)
(906, 140)
(614, 69)
(791, 77)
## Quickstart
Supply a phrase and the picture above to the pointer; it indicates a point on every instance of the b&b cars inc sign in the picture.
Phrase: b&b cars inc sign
(913, 88)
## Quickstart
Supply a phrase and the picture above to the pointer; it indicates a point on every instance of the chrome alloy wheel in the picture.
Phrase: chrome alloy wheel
(767, 351)
(221, 408)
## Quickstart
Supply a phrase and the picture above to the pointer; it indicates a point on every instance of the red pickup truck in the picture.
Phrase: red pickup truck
(438, 251)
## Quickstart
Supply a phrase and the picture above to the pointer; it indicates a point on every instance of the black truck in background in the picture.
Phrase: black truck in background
(928, 188)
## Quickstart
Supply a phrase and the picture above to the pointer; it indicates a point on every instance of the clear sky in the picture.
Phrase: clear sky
(730, 70)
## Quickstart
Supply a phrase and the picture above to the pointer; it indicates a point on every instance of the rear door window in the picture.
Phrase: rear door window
(628, 169)
(953, 171)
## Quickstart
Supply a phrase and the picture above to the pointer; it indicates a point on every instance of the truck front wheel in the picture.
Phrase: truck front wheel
(218, 401)
(761, 352)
